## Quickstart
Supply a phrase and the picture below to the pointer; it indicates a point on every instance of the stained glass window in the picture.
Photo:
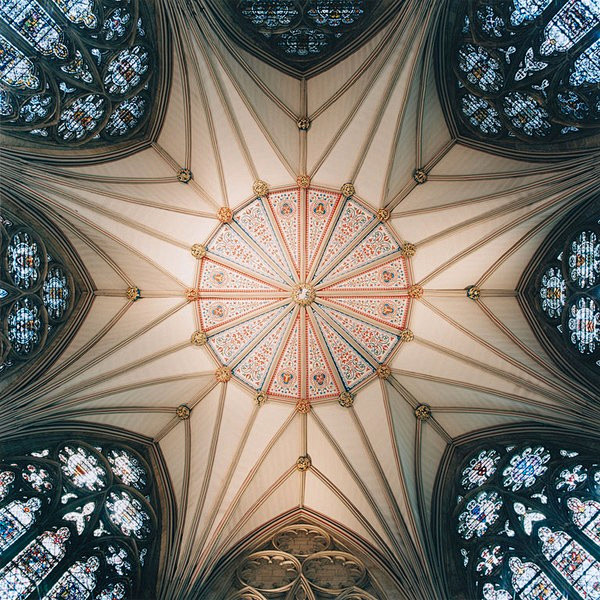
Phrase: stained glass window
(72, 526)
(567, 293)
(526, 69)
(301, 36)
(75, 71)
(527, 523)
(37, 293)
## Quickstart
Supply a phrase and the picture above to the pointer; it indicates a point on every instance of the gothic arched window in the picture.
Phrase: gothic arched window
(525, 70)
(76, 522)
(37, 293)
(301, 36)
(563, 293)
(75, 71)
(526, 522)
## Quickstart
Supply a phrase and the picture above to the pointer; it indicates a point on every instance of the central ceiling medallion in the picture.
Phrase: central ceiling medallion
(304, 294)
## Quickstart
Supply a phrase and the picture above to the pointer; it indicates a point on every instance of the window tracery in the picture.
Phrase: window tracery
(73, 525)
(75, 71)
(303, 28)
(526, 70)
(303, 561)
(301, 36)
(566, 290)
(37, 293)
(526, 522)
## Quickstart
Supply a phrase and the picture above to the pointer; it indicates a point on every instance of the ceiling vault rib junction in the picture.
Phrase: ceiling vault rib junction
(378, 116)
(248, 105)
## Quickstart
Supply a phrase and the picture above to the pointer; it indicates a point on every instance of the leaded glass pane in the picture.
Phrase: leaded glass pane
(75, 69)
(526, 69)
(528, 528)
(83, 468)
(88, 537)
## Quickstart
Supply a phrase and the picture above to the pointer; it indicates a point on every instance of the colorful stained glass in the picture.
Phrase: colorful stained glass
(586, 68)
(553, 292)
(572, 105)
(490, 558)
(25, 260)
(118, 559)
(126, 116)
(479, 469)
(526, 68)
(571, 560)
(127, 468)
(33, 564)
(81, 118)
(570, 478)
(481, 114)
(56, 292)
(79, 11)
(481, 68)
(83, 469)
(15, 519)
(7, 479)
(527, 516)
(113, 591)
(527, 10)
(569, 25)
(8, 105)
(526, 114)
(584, 260)
(77, 583)
(31, 21)
(531, 583)
(269, 13)
(336, 12)
(303, 42)
(80, 516)
(36, 108)
(37, 477)
(15, 68)
(127, 70)
(584, 324)
(491, 593)
(479, 514)
(26, 324)
(128, 514)
(525, 468)
(528, 563)
(90, 69)
(586, 515)
(254, 332)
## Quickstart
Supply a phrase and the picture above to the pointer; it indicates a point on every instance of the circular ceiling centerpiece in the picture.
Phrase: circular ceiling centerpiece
(304, 293)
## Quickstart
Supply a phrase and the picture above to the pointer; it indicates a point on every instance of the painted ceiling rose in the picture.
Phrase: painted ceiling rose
(303, 295)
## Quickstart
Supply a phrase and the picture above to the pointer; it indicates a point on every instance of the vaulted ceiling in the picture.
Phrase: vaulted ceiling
(475, 219)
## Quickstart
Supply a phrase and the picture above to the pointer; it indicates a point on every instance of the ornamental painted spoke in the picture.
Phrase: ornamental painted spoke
(303, 323)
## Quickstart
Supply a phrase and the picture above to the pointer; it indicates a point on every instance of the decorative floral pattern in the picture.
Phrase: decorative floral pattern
(248, 293)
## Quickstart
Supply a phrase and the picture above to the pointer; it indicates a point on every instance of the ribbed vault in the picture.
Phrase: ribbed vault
(475, 218)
